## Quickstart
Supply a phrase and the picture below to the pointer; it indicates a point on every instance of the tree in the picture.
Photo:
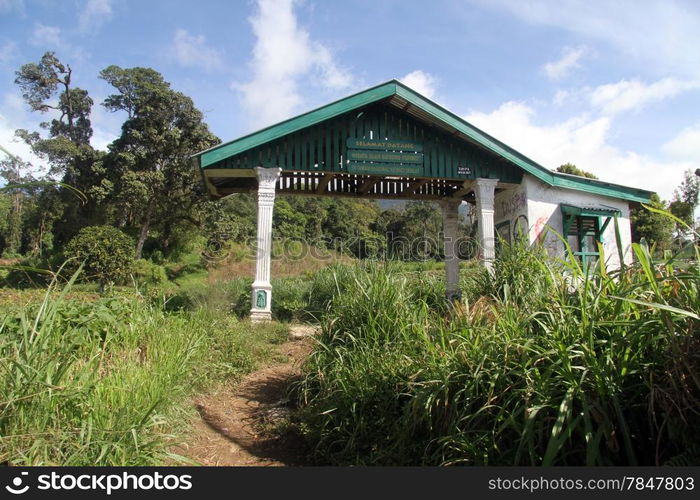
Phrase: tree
(47, 87)
(422, 225)
(685, 199)
(151, 171)
(16, 173)
(570, 168)
(652, 227)
(347, 226)
(39, 83)
(106, 253)
(287, 222)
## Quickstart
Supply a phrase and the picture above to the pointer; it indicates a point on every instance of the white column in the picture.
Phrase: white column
(485, 190)
(262, 289)
(450, 213)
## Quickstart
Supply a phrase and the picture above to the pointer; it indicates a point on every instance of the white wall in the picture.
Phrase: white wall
(511, 205)
(540, 203)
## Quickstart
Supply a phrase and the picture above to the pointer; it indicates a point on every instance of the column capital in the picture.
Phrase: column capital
(485, 192)
(267, 177)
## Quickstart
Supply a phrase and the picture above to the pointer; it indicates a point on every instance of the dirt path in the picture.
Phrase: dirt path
(231, 426)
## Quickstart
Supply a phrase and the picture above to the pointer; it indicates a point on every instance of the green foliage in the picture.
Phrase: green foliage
(544, 365)
(570, 168)
(287, 222)
(17, 204)
(150, 165)
(40, 81)
(106, 253)
(289, 299)
(654, 228)
(685, 199)
(147, 273)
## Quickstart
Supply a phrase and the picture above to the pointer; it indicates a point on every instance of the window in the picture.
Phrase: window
(583, 236)
(584, 228)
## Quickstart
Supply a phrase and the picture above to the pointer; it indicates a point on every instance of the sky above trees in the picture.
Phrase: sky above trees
(612, 87)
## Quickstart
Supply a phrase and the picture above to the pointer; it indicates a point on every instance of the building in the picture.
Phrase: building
(390, 142)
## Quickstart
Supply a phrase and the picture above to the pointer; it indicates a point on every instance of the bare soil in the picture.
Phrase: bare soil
(245, 425)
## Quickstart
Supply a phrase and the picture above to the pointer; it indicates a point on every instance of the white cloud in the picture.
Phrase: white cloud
(13, 115)
(627, 95)
(283, 55)
(94, 14)
(47, 37)
(568, 61)
(685, 145)
(660, 33)
(7, 51)
(422, 82)
(334, 76)
(584, 141)
(192, 51)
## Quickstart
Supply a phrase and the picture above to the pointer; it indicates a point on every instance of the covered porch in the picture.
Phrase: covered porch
(387, 142)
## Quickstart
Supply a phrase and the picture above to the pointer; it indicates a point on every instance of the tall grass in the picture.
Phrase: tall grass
(545, 364)
(102, 383)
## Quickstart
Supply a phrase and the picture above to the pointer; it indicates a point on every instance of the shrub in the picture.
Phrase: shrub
(106, 253)
(289, 299)
(147, 273)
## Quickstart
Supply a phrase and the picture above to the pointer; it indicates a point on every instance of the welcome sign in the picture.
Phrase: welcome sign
(370, 157)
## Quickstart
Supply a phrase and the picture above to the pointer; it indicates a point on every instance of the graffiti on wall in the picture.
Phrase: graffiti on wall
(514, 205)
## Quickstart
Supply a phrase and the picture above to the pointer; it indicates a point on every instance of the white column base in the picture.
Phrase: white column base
(261, 303)
(260, 316)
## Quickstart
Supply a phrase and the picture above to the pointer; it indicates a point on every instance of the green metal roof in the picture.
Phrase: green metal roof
(589, 211)
(427, 110)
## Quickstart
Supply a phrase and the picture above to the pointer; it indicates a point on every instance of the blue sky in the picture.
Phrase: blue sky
(613, 87)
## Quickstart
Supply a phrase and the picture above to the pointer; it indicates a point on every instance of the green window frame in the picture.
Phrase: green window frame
(583, 236)
(583, 230)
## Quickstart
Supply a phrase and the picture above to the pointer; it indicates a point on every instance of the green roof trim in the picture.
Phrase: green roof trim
(572, 210)
(394, 87)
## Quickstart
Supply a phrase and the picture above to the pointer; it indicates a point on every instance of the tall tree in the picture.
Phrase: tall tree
(149, 162)
(47, 87)
(570, 168)
(40, 82)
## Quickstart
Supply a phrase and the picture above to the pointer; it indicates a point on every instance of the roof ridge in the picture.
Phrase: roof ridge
(395, 87)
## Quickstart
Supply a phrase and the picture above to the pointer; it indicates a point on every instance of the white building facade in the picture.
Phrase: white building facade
(541, 211)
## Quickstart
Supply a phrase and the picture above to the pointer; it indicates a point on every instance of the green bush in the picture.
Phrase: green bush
(106, 253)
(147, 273)
(289, 299)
